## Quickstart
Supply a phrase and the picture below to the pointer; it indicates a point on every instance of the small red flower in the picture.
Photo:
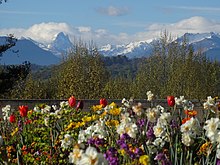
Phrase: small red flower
(72, 101)
(23, 110)
(185, 120)
(28, 121)
(12, 118)
(171, 101)
(103, 102)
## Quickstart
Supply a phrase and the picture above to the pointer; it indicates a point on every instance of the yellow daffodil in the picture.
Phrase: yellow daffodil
(144, 160)
(112, 123)
(15, 131)
(96, 108)
(115, 111)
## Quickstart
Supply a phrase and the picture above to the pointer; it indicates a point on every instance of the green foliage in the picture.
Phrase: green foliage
(83, 74)
(10, 76)
(175, 69)
(172, 69)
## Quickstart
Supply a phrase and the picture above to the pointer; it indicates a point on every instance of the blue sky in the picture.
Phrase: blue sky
(108, 21)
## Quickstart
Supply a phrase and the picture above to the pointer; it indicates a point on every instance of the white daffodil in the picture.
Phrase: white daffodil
(159, 130)
(46, 109)
(152, 114)
(192, 126)
(211, 128)
(179, 101)
(75, 156)
(64, 104)
(160, 108)
(127, 127)
(137, 109)
(6, 112)
(209, 104)
(92, 157)
(150, 96)
(159, 142)
(186, 139)
(67, 141)
(164, 119)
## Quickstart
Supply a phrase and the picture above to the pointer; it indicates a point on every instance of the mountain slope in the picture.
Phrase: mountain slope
(26, 50)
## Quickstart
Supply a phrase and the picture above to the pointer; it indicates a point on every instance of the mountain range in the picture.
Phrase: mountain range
(26, 49)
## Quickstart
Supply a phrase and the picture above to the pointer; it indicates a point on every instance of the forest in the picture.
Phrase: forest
(172, 69)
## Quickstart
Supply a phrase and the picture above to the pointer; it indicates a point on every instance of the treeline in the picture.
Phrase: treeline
(172, 69)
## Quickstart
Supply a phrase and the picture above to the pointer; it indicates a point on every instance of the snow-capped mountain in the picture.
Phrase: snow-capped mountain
(30, 50)
(208, 43)
(60, 45)
(37, 53)
(131, 50)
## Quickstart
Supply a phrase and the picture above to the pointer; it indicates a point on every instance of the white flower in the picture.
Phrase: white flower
(164, 119)
(179, 101)
(6, 112)
(186, 139)
(63, 104)
(46, 109)
(191, 126)
(211, 128)
(209, 104)
(160, 108)
(37, 109)
(137, 109)
(92, 157)
(127, 127)
(75, 156)
(1, 140)
(81, 136)
(159, 130)
(159, 142)
(150, 96)
(67, 141)
(152, 114)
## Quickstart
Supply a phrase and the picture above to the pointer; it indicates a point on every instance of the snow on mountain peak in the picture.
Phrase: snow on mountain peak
(61, 44)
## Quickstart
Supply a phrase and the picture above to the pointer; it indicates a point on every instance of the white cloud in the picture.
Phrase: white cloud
(45, 32)
(113, 11)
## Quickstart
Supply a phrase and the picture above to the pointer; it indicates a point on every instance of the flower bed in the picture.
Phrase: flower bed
(111, 134)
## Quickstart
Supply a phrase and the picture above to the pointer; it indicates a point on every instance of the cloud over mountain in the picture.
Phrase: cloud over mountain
(45, 32)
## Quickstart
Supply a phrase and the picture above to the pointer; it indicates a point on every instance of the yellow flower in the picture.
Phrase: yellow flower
(122, 152)
(205, 149)
(96, 108)
(112, 123)
(144, 160)
(15, 131)
(113, 105)
(115, 111)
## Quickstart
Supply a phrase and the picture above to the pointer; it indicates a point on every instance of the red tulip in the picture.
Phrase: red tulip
(12, 118)
(72, 101)
(103, 102)
(171, 101)
(79, 105)
(23, 110)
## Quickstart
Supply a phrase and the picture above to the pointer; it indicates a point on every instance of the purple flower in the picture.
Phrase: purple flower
(218, 162)
(141, 123)
(150, 134)
(161, 157)
(111, 156)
